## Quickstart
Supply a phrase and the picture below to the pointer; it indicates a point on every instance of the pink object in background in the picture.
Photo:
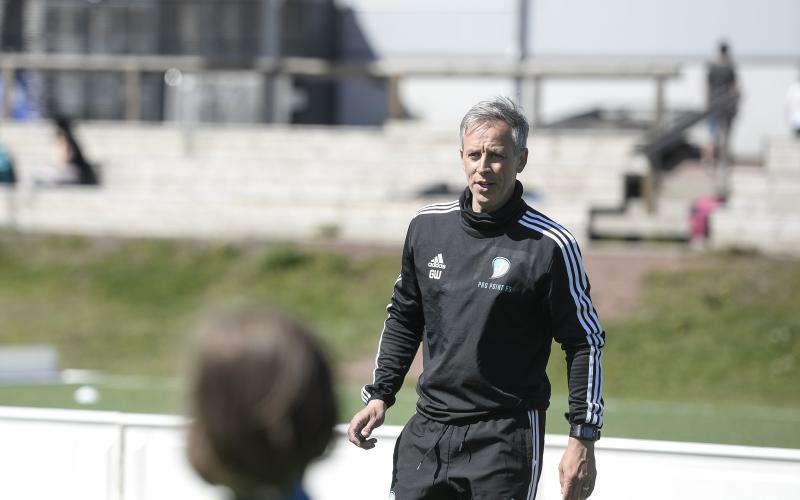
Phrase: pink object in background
(702, 208)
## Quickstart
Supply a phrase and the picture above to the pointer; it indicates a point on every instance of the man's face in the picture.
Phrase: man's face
(491, 164)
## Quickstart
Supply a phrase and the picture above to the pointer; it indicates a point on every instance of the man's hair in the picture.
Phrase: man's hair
(497, 109)
(262, 400)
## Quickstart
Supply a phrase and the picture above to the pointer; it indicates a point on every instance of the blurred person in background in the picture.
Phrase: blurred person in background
(486, 284)
(263, 405)
(7, 174)
(70, 166)
(793, 108)
(722, 89)
(700, 219)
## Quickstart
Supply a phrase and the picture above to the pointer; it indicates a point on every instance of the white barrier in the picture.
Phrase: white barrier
(86, 455)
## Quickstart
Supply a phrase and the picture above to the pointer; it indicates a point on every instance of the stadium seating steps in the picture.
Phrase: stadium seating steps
(763, 212)
(357, 184)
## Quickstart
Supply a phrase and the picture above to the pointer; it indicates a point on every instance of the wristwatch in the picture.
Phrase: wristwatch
(587, 432)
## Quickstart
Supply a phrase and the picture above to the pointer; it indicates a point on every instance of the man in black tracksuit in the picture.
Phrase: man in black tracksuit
(486, 284)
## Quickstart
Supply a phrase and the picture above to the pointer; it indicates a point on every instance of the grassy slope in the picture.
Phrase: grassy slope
(127, 306)
(723, 331)
(728, 331)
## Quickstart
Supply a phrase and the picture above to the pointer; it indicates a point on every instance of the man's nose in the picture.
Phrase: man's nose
(484, 164)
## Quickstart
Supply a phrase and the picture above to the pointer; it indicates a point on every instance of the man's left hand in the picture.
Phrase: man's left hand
(577, 471)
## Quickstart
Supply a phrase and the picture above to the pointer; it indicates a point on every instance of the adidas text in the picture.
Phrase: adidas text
(437, 262)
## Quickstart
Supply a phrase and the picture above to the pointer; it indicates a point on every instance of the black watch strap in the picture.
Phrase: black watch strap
(586, 432)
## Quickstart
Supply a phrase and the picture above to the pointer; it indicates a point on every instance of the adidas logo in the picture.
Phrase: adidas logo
(437, 262)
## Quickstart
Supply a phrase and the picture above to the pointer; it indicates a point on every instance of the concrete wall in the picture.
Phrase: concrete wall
(85, 455)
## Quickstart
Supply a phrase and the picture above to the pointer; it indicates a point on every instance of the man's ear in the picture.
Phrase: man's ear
(523, 160)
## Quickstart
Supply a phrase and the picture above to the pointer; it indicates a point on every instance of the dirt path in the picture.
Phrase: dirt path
(616, 275)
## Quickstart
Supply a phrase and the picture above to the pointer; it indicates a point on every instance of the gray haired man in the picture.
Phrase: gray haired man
(486, 284)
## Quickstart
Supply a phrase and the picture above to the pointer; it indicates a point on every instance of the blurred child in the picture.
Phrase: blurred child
(70, 166)
(263, 405)
(7, 175)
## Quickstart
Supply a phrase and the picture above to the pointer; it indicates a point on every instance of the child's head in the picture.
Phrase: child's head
(262, 402)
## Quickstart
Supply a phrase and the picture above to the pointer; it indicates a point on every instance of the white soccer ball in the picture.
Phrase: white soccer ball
(86, 395)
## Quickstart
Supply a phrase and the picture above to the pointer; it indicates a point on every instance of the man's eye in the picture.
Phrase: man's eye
(474, 156)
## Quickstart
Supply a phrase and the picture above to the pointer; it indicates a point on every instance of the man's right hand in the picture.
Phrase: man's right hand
(364, 422)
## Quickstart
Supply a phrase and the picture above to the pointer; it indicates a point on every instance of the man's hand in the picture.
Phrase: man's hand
(364, 422)
(577, 471)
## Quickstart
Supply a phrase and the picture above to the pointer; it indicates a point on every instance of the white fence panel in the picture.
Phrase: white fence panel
(85, 455)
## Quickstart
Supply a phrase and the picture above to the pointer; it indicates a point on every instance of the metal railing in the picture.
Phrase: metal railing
(661, 139)
(533, 74)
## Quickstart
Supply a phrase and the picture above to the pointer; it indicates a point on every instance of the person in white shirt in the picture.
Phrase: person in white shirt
(793, 107)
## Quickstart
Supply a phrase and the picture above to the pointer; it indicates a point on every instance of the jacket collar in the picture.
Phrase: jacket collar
(487, 224)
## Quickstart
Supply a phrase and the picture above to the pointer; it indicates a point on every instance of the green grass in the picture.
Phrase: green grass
(725, 330)
(637, 419)
(751, 425)
(127, 306)
(159, 396)
(712, 353)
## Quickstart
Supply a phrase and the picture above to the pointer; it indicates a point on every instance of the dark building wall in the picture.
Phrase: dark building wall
(227, 30)
(360, 101)
(230, 32)
(11, 26)
(309, 29)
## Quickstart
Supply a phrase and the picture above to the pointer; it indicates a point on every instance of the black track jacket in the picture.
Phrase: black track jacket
(486, 294)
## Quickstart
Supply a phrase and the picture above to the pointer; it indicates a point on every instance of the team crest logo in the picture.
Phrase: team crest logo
(500, 267)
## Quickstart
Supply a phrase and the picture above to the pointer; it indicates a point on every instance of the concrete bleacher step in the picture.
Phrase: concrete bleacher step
(669, 222)
(290, 182)
(763, 210)
(765, 191)
(689, 181)
(678, 190)
(165, 140)
(783, 155)
(763, 232)
(93, 212)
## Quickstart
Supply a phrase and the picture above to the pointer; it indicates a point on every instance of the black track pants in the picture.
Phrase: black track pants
(494, 458)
